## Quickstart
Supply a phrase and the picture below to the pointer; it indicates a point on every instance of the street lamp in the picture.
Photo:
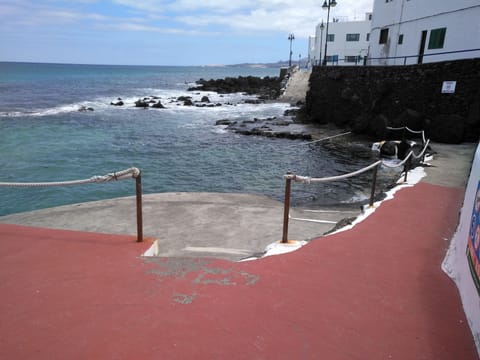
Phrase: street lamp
(322, 26)
(326, 6)
(291, 37)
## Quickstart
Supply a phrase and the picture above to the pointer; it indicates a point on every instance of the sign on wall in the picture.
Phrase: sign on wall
(448, 87)
(473, 243)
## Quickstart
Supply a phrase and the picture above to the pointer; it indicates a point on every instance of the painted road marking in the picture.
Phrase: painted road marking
(217, 250)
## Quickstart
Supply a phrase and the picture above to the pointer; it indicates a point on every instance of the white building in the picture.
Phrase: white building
(347, 42)
(411, 31)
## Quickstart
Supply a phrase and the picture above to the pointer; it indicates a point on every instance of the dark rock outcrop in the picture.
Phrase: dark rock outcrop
(119, 102)
(268, 127)
(389, 149)
(141, 104)
(225, 122)
(84, 109)
(158, 105)
(267, 87)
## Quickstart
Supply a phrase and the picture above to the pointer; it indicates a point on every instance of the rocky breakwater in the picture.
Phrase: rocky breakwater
(368, 99)
(266, 88)
(284, 127)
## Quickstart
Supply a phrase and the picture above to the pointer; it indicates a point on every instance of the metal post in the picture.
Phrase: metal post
(326, 36)
(407, 167)
(286, 209)
(322, 26)
(374, 185)
(139, 208)
(291, 37)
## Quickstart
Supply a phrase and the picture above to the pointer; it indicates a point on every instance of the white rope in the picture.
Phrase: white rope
(410, 154)
(120, 175)
(423, 151)
(309, 180)
(323, 139)
(410, 130)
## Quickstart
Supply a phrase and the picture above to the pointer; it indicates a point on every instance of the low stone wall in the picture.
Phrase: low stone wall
(369, 98)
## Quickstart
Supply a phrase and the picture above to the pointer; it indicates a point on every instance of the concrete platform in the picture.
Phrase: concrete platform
(228, 226)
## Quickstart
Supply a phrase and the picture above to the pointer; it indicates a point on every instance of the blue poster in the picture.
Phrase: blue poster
(473, 245)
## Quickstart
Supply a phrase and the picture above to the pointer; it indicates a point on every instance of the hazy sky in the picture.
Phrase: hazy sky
(162, 32)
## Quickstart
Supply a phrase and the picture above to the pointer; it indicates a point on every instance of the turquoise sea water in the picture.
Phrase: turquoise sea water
(43, 137)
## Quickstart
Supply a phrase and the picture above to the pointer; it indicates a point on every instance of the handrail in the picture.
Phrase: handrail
(115, 176)
(366, 60)
(289, 177)
(424, 55)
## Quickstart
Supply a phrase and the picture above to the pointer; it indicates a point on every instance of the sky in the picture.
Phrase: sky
(163, 32)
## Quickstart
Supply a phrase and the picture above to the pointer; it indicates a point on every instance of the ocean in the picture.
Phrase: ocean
(44, 138)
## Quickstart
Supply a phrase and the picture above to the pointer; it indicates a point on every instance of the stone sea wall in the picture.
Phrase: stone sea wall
(368, 99)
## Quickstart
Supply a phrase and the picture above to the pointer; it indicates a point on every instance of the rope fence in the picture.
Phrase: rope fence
(289, 177)
(130, 173)
(406, 128)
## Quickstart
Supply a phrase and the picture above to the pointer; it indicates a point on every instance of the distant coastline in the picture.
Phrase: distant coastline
(278, 64)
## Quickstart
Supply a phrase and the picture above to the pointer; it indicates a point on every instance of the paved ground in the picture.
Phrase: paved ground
(374, 292)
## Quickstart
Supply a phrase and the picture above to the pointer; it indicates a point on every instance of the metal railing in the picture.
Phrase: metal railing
(289, 177)
(366, 60)
(115, 176)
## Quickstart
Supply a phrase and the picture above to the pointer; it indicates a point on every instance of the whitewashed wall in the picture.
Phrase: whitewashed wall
(456, 263)
(340, 46)
(411, 17)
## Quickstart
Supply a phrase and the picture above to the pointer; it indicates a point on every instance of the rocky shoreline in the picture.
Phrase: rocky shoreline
(288, 126)
(266, 88)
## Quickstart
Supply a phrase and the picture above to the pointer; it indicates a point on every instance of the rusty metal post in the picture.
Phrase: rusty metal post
(406, 168)
(374, 185)
(286, 208)
(139, 208)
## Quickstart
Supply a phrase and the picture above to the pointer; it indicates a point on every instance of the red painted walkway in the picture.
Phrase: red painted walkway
(375, 292)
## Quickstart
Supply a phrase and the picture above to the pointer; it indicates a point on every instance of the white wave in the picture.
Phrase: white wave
(359, 197)
(220, 129)
(56, 110)
(230, 104)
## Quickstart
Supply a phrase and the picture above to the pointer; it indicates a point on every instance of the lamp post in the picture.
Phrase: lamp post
(326, 6)
(322, 26)
(291, 37)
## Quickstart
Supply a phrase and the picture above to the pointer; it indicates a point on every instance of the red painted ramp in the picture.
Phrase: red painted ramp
(375, 292)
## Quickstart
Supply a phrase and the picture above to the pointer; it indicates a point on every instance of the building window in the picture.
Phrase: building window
(353, 37)
(333, 59)
(331, 37)
(352, 59)
(437, 38)
(383, 36)
(400, 39)
(367, 38)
